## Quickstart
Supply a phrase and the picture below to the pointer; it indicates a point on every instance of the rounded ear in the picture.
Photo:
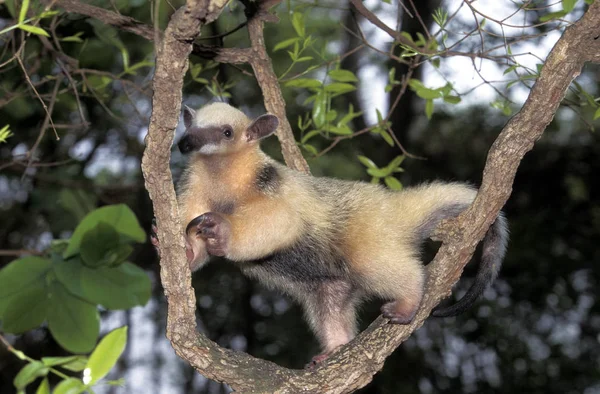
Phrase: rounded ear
(188, 116)
(262, 127)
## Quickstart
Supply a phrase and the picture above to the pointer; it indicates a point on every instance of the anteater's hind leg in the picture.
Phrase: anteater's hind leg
(402, 282)
(331, 311)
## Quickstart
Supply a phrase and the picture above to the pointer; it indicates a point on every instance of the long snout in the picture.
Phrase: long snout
(186, 144)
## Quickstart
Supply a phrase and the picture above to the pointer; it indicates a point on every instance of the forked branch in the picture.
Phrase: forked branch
(355, 364)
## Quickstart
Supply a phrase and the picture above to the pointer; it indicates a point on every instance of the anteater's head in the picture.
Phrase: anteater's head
(218, 129)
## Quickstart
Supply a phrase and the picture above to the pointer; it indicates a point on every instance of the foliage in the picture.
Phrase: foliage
(66, 286)
(93, 368)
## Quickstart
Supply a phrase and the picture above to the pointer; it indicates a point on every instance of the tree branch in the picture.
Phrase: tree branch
(269, 85)
(256, 56)
(132, 25)
(356, 363)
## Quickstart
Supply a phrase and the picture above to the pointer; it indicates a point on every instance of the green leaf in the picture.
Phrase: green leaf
(27, 309)
(10, 6)
(304, 59)
(446, 89)
(310, 149)
(286, 43)
(392, 165)
(452, 99)
(76, 201)
(511, 69)
(74, 323)
(44, 387)
(393, 183)
(552, 15)
(387, 137)
(319, 110)
(341, 130)
(339, 87)
(54, 361)
(349, 116)
(106, 354)
(23, 11)
(597, 114)
(34, 30)
(367, 162)
(436, 62)
(568, 5)
(309, 135)
(121, 287)
(377, 172)
(74, 38)
(429, 108)
(69, 386)
(511, 83)
(100, 246)
(298, 23)
(304, 83)
(29, 373)
(77, 365)
(415, 84)
(47, 14)
(428, 94)
(118, 216)
(589, 2)
(331, 115)
(20, 275)
(343, 76)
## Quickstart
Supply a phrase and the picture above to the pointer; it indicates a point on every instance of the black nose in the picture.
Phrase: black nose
(185, 144)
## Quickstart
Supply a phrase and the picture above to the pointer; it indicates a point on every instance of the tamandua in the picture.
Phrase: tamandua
(325, 242)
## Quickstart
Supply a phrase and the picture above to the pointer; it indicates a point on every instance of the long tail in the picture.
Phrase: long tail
(494, 249)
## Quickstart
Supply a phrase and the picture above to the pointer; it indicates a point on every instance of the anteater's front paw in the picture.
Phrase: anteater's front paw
(214, 229)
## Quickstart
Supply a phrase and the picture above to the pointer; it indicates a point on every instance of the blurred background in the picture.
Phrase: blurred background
(536, 330)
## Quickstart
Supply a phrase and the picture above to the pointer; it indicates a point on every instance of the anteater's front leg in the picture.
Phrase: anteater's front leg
(214, 229)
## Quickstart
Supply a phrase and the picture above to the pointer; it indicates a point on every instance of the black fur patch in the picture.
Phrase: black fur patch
(431, 222)
(308, 262)
(267, 178)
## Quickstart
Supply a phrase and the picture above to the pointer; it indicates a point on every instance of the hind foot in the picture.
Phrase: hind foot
(399, 312)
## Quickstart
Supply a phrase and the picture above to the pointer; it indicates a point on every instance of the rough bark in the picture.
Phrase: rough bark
(269, 85)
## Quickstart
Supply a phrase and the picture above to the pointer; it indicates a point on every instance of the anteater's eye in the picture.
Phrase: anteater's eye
(228, 133)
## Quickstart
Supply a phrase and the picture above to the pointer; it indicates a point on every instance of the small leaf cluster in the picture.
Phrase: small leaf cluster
(5, 133)
(65, 287)
(568, 6)
(300, 44)
(420, 46)
(429, 95)
(24, 23)
(323, 119)
(385, 173)
(110, 35)
(94, 368)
